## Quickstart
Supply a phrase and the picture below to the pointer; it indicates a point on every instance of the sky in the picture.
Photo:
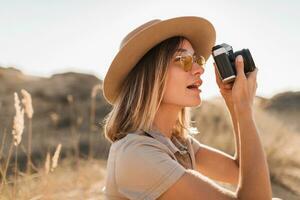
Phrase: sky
(42, 37)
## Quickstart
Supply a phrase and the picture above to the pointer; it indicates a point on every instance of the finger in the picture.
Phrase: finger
(253, 74)
(239, 64)
(228, 85)
(218, 79)
(252, 78)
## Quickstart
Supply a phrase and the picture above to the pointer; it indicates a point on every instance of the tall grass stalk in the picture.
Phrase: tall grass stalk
(94, 92)
(18, 127)
(27, 103)
(2, 143)
(1, 155)
(4, 171)
(55, 157)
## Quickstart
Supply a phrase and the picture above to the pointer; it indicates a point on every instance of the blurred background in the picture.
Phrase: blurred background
(59, 53)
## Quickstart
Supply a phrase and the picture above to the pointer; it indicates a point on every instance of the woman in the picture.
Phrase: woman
(151, 83)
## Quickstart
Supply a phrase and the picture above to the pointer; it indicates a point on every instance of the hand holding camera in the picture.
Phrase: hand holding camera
(225, 60)
(235, 76)
(244, 88)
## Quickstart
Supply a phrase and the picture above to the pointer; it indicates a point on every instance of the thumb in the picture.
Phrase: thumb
(239, 65)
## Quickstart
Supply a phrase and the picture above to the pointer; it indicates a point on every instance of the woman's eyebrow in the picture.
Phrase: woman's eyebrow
(184, 50)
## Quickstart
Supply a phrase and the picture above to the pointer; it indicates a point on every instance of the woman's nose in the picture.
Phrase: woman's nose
(198, 69)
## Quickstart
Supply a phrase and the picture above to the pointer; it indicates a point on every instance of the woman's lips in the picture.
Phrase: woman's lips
(197, 82)
(195, 90)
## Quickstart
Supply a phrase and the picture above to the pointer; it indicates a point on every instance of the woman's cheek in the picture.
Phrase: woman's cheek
(174, 94)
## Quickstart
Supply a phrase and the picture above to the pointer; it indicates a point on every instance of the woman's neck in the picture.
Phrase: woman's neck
(165, 118)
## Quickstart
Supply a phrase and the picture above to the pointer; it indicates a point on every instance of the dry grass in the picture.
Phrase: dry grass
(27, 103)
(20, 185)
(65, 182)
(281, 144)
(75, 178)
(282, 147)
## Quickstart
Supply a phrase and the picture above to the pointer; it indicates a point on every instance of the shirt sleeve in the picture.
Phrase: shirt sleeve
(195, 144)
(145, 170)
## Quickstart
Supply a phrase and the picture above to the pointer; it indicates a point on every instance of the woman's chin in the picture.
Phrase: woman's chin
(195, 102)
(194, 97)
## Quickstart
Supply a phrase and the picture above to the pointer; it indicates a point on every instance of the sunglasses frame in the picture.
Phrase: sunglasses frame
(186, 61)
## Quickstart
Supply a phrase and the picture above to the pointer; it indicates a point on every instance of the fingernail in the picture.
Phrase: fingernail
(240, 58)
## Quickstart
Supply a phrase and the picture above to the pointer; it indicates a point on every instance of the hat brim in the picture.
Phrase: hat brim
(199, 31)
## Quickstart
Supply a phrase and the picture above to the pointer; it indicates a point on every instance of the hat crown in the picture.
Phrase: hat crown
(137, 30)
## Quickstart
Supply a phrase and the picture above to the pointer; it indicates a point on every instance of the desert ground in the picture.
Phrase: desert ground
(68, 150)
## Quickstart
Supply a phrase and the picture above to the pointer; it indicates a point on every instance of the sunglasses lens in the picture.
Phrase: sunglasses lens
(201, 60)
(188, 63)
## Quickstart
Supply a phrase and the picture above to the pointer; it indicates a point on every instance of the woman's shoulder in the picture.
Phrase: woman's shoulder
(143, 159)
(136, 147)
(136, 140)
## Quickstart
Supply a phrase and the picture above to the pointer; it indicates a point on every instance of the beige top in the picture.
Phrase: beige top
(141, 167)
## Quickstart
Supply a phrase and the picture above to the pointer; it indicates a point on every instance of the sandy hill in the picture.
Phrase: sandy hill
(62, 109)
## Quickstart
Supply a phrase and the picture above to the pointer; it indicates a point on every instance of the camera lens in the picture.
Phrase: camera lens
(249, 64)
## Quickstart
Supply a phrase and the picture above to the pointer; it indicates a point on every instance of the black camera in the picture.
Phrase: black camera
(225, 60)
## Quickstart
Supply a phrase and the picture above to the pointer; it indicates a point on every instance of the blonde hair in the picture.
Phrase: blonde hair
(141, 94)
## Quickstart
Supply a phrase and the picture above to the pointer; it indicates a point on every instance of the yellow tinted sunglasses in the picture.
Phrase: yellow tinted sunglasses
(186, 61)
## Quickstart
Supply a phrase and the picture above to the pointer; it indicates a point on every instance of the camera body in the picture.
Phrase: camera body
(225, 61)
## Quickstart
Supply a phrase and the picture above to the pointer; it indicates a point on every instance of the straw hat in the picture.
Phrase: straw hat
(199, 31)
